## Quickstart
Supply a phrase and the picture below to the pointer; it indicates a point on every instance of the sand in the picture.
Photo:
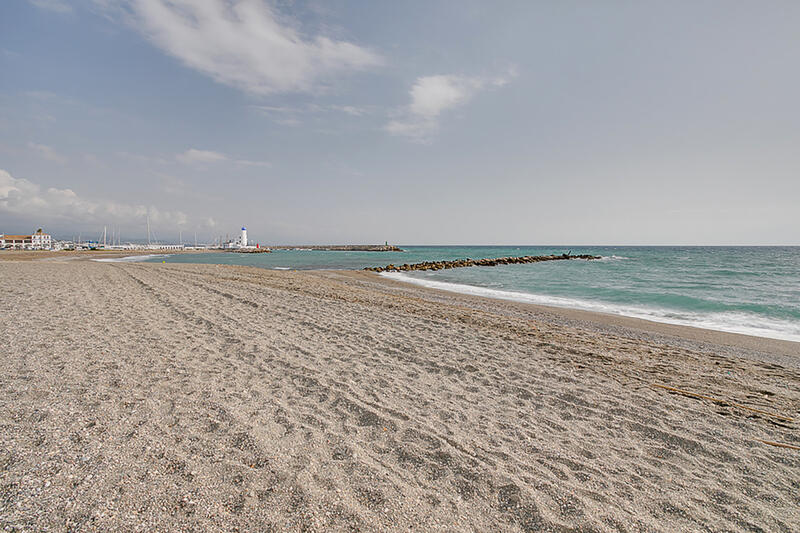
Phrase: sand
(73, 255)
(142, 397)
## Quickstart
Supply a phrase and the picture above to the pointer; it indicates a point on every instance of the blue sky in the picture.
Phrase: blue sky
(414, 122)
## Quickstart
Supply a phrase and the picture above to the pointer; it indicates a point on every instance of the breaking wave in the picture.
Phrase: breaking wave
(729, 321)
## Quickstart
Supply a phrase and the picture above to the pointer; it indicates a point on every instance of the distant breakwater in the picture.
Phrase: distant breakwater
(250, 250)
(460, 263)
(344, 248)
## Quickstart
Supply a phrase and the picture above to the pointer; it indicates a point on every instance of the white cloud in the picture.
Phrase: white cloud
(244, 43)
(172, 185)
(312, 109)
(350, 110)
(195, 157)
(59, 6)
(297, 115)
(433, 95)
(94, 161)
(248, 163)
(289, 121)
(47, 152)
(141, 159)
(200, 157)
(30, 201)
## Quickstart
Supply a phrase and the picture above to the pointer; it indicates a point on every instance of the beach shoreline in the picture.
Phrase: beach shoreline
(152, 396)
(787, 351)
(72, 255)
(704, 335)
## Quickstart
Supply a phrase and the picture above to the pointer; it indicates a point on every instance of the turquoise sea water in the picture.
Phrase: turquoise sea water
(752, 290)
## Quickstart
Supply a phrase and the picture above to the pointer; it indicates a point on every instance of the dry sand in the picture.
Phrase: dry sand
(196, 397)
(71, 255)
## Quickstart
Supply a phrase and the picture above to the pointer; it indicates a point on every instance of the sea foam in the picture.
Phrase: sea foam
(732, 322)
(130, 258)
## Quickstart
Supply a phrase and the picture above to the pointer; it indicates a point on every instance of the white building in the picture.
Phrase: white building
(37, 241)
(17, 242)
(240, 242)
(41, 241)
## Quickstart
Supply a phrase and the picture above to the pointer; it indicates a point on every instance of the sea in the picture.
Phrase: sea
(750, 290)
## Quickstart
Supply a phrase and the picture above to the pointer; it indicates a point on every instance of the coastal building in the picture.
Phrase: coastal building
(41, 240)
(18, 242)
(35, 241)
(240, 242)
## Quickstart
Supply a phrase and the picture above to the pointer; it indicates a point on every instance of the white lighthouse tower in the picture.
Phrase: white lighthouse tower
(244, 237)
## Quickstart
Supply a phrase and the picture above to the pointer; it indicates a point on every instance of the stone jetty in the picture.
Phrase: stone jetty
(460, 263)
(344, 248)
(250, 250)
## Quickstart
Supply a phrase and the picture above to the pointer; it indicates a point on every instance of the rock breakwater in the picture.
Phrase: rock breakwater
(344, 248)
(250, 250)
(460, 263)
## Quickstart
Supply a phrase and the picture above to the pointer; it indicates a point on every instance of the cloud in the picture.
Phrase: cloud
(297, 115)
(59, 6)
(200, 157)
(433, 95)
(244, 43)
(196, 157)
(350, 110)
(248, 163)
(312, 108)
(173, 185)
(47, 152)
(141, 159)
(94, 161)
(31, 202)
(289, 121)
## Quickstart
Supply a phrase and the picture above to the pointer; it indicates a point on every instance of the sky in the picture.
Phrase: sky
(413, 122)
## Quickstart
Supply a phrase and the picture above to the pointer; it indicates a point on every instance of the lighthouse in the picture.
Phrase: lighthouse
(244, 237)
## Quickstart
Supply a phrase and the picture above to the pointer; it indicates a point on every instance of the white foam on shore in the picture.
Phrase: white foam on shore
(744, 323)
(129, 258)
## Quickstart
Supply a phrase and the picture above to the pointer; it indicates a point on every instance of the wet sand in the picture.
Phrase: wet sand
(200, 397)
(759, 348)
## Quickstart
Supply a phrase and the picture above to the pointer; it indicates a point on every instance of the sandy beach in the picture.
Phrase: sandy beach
(74, 255)
(174, 397)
